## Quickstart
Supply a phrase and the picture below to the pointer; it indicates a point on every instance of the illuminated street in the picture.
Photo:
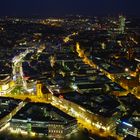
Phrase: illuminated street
(61, 77)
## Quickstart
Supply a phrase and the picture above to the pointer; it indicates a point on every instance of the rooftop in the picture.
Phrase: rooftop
(43, 113)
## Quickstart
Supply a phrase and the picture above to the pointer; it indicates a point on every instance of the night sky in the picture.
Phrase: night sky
(67, 7)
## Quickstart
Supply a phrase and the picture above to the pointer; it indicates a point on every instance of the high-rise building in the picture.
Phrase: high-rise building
(121, 24)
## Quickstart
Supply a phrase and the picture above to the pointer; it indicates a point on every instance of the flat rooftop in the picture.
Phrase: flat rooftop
(43, 113)
(98, 103)
(7, 105)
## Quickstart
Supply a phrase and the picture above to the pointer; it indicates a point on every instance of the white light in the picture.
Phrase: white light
(127, 124)
(30, 90)
(5, 87)
(128, 77)
(82, 108)
(108, 128)
(88, 120)
(126, 69)
(74, 87)
(97, 125)
(4, 127)
(137, 59)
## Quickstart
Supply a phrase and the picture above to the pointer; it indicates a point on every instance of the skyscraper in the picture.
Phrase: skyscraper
(121, 24)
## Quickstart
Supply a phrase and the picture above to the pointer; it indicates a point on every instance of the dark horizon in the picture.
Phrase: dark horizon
(53, 8)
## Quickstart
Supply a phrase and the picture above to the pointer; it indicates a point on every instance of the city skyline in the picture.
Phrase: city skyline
(48, 8)
(70, 70)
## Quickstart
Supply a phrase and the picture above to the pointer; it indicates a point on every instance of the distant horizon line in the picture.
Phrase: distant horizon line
(69, 15)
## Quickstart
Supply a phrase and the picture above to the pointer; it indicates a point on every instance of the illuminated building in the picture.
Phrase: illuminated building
(138, 72)
(88, 116)
(43, 119)
(121, 24)
(6, 84)
(125, 128)
(39, 89)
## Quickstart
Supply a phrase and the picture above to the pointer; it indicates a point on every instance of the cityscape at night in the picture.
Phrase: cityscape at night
(70, 70)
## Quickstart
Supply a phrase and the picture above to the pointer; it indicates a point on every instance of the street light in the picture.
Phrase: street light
(74, 86)
(126, 69)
